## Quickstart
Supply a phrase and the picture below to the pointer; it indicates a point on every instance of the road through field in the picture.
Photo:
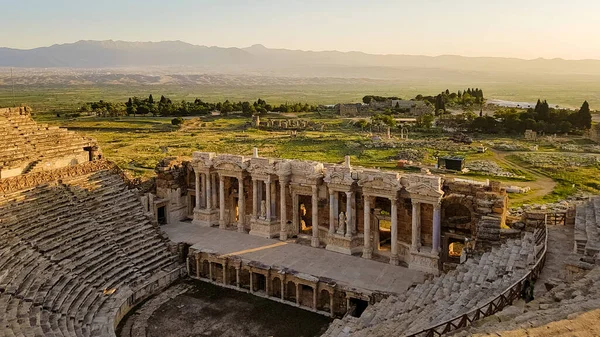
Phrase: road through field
(543, 185)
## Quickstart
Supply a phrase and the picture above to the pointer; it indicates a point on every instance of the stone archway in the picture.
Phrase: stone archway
(458, 214)
(276, 289)
(290, 293)
(205, 271)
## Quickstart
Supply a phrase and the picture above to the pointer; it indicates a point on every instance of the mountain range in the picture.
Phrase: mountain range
(258, 59)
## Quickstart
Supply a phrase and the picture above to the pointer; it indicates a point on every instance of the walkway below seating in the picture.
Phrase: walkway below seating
(350, 270)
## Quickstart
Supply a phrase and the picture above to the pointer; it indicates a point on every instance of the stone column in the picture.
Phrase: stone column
(331, 305)
(273, 204)
(198, 266)
(394, 239)
(241, 205)
(437, 229)
(367, 250)
(296, 215)
(297, 294)
(283, 210)
(222, 202)
(268, 184)
(416, 225)
(210, 275)
(213, 194)
(315, 218)
(349, 215)
(254, 199)
(197, 174)
(224, 274)
(331, 212)
(353, 205)
(315, 298)
(237, 276)
(208, 196)
(251, 282)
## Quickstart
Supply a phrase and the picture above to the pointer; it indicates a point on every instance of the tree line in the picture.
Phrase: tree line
(166, 107)
(542, 119)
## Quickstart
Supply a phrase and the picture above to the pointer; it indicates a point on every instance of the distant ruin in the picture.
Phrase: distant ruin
(411, 108)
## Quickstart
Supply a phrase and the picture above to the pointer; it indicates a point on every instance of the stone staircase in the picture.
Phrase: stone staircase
(472, 284)
(72, 253)
(587, 228)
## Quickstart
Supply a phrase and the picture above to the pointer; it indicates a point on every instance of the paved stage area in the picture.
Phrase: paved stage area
(350, 270)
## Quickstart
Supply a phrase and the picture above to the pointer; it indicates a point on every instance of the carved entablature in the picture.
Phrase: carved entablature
(283, 169)
(203, 161)
(230, 165)
(262, 168)
(306, 172)
(379, 183)
(425, 188)
(340, 177)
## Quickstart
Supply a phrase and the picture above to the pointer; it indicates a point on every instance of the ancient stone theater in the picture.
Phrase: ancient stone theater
(86, 251)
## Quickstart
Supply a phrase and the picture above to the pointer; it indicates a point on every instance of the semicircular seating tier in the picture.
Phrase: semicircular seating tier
(444, 297)
(74, 252)
(29, 147)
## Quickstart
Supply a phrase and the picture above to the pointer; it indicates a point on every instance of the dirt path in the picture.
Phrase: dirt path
(542, 185)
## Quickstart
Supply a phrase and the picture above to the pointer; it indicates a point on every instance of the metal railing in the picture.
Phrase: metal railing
(501, 301)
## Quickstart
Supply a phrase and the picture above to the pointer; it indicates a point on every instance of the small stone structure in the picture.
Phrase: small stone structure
(530, 135)
(286, 124)
(408, 218)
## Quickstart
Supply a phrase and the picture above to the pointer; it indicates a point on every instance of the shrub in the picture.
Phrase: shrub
(177, 121)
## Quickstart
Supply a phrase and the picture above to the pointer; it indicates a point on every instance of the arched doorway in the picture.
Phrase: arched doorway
(324, 302)
(290, 291)
(276, 287)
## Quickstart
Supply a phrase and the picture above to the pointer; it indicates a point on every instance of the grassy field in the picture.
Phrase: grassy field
(568, 93)
(137, 144)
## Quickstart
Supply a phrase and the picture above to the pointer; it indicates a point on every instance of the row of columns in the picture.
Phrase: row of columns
(350, 226)
(282, 289)
(257, 192)
(205, 180)
(205, 198)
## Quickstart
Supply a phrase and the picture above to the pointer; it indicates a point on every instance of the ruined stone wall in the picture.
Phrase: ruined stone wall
(349, 110)
(487, 206)
(172, 186)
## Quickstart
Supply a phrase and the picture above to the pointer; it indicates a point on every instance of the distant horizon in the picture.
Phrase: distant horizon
(519, 29)
(303, 50)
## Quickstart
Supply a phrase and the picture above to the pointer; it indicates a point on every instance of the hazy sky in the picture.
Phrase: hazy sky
(524, 28)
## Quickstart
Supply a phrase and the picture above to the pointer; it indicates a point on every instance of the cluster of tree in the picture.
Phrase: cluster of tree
(166, 107)
(466, 98)
(542, 118)
(367, 99)
(104, 109)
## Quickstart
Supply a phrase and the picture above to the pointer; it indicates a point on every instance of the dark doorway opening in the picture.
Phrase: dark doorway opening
(162, 215)
(260, 282)
(357, 307)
